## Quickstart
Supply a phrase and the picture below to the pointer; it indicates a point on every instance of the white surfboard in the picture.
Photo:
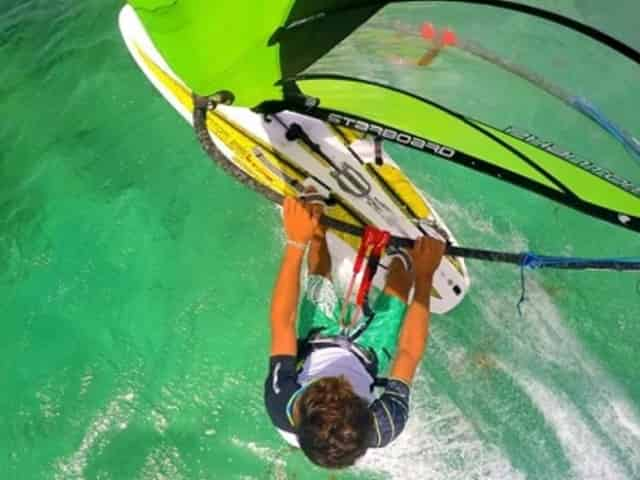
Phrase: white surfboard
(366, 192)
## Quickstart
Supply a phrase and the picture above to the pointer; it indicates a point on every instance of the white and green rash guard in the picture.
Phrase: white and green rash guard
(285, 383)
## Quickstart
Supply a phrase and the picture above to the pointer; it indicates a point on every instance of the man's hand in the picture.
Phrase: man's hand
(300, 222)
(426, 255)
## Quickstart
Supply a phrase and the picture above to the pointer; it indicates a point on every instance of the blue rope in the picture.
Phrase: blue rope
(532, 261)
(522, 291)
(631, 143)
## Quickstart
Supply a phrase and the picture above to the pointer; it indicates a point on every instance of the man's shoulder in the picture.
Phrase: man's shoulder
(280, 387)
(390, 412)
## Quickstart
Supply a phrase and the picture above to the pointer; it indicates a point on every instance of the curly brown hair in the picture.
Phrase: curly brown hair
(334, 424)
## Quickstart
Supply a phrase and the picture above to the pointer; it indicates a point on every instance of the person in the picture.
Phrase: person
(319, 391)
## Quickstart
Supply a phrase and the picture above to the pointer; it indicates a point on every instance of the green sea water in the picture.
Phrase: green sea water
(136, 279)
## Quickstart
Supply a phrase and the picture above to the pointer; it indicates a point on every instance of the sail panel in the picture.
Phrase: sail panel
(378, 105)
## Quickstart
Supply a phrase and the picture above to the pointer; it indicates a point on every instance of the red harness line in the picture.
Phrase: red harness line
(372, 245)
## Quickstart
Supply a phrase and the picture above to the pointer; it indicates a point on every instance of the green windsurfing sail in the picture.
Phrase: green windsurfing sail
(350, 63)
(231, 44)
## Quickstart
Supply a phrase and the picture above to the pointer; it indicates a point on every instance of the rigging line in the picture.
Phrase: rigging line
(630, 143)
(526, 259)
(523, 288)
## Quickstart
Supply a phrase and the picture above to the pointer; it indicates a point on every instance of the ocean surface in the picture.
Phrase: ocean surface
(135, 279)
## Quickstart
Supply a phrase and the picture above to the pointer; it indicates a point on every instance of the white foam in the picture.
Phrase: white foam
(115, 417)
(540, 342)
(626, 418)
(49, 408)
(85, 381)
(163, 463)
(271, 457)
(601, 435)
(590, 459)
(470, 221)
(438, 442)
(160, 422)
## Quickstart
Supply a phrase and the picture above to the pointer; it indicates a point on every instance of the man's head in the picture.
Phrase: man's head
(334, 424)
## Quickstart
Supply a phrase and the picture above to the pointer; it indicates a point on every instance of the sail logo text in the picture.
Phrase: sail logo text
(571, 157)
(391, 134)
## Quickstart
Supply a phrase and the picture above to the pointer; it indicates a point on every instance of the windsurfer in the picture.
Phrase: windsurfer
(319, 390)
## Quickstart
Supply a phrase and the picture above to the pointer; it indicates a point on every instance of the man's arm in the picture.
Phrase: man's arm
(284, 304)
(427, 254)
(299, 225)
(413, 336)
(391, 409)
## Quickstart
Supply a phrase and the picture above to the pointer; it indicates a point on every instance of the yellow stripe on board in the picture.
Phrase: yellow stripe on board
(241, 146)
(347, 140)
(349, 134)
(339, 213)
(404, 189)
(277, 159)
(246, 158)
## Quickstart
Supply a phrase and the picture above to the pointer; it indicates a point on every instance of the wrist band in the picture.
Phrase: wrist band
(301, 246)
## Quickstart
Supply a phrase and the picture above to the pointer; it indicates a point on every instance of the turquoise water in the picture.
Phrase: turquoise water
(137, 279)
